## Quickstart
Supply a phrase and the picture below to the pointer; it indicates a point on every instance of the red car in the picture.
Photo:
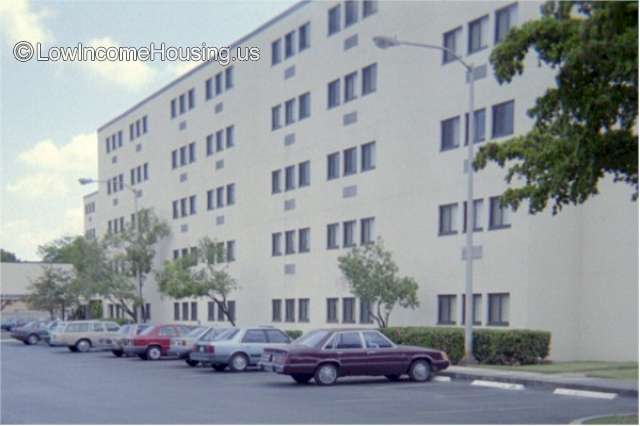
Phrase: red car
(325, 355)
(154, 342)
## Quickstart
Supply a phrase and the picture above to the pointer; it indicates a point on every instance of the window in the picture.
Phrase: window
(231, 194)
(275, 117)
(304, 174)
(303, 37)
(276, 244)
(333, 94)
(334, 20)
(275, 182)
(446, 309)
(208, 93)
(192, 98)
(185, 311)
(303, 310)
(290, 242)
(375, 340)
(176, 213)
(181, 100)
(289, 45)
(290, 178)
(449, 133)
(183, 155)
(211, 311)
(231, 306)
(290, 310)
(478, 34)
(502, 120)
(231, 251)
(220, 197)
(167, 332)
(498, 309)
(277, 336)
(173, 108)
(368, 156)
(228, 78)
(447, 222)
(332, 310)
(210, 200)
(349, 340)
(333, 166)
(304, 106)
(475, 309)
(348, 310)
(218, 80)
(498, 215)
(479, 124)
(174, 159)
(365, 312)
(366, 230)
(369, 7)
(230, 136)
(276, 310)
(192, 204)
(350, 86)
(289, 112)
(276, 52)
(192, 152)
(348, 233)
(369, 79)
(477, 216)
(303, 240)
(194, 311)
(332, 235)
(505, 20)
(350, 12)
(219, 140)
(450, 40)
(254, 336)
(221, 312)
(350, 161)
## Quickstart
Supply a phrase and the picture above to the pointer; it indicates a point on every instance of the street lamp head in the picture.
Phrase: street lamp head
(85, 181)
(384, 42)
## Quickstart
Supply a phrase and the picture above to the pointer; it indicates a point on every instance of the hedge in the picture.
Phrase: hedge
(294, 334)
(489, 346)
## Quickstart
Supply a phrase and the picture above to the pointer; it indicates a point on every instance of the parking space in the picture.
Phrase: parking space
(52, 385)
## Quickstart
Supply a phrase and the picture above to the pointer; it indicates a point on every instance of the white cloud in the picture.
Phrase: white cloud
(21, 22)
(180, 68)
(39, 186)
(23, 238)
(79, 155)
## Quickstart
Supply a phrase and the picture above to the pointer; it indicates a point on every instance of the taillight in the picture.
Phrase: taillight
(211, 349)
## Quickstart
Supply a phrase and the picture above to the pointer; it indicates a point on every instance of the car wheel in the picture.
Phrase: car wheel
(154, 353)
(301, 378)
(326, 374)
(118, 353)
(420, 371)
(32, 339)
(191, 363)
(219, 367)
(73, 349)
(393, 377)
(83, 345)
(239, 362)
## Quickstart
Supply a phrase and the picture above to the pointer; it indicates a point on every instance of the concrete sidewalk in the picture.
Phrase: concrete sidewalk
(576, 381)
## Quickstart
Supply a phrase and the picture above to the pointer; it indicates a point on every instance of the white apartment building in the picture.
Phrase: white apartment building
(328, 142)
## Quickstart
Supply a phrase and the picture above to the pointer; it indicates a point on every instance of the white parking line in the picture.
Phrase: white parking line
(444, 379)
(584, 393)
(498, 385)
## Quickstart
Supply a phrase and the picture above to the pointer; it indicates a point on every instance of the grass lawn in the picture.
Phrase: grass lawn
(609, 370)
(613, 420)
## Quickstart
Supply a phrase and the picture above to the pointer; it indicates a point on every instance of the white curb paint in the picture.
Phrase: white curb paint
(583, 393)
(442, 379)
(498, 385)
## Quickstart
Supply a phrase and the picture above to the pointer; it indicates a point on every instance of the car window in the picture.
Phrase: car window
(196, 332)
(77, 328)
(312, 338)
(254, 336)
(373, 340)
(277, 336)
(112, 326)
(96, 326)
(167, 332)
(147, 331)
(142, 327)
(349, 340)
(184, 329)
(124, 329)
(227, 334)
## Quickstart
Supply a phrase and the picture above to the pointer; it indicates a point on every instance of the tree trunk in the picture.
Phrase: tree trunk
(222, 304)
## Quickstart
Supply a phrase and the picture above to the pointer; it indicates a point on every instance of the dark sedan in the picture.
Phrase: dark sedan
(29, 334)
(325, 355)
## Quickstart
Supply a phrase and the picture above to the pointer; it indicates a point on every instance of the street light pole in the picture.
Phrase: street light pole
(384, 42)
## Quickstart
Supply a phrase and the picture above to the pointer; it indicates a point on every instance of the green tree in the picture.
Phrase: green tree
(201, 274)
(53, 290)
(585, 128)
(373, 277)
(8, 257)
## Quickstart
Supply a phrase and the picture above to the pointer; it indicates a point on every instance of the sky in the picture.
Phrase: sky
(50, 111)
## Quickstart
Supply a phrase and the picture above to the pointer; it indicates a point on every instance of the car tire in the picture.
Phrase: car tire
(420, 371)
(118, 353)
(33, 339)
(302, 379)
(326, 374)
(83, 345)
(392, 377)
(191, 363)
(219, 367)
(73, 349)
(154, 353)
(238, 363)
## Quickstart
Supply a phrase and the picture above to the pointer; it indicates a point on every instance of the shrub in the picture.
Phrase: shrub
(490, 346)
(294, 334)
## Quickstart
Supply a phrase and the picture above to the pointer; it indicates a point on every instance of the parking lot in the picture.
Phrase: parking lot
(52, 385)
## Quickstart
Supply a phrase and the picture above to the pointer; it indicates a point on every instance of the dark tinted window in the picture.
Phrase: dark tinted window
(254, 336)
(277, 336)
(349, 341)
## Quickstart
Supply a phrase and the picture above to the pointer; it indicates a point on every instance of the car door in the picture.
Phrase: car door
(165, 333)
(383, 356)
(96, 332)
(350, 351)
(253, 343)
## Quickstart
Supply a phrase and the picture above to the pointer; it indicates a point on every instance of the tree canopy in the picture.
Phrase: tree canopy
(53, 290)
(8, 257)
(585, 127)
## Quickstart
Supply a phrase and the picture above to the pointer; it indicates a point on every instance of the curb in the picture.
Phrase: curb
(541, 384)
(586, 419)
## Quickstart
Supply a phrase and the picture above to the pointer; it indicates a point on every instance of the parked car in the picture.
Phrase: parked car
(82, 336)
(10, 324)
(238, 348)
(325, 355)
(58, 327)
(28, 333)
(43, 332)
(153, 343)
(181, 347)
(124, 336)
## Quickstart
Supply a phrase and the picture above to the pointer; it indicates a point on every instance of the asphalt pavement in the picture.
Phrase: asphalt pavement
(52, 385)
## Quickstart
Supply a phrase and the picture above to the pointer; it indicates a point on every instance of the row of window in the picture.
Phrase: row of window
(184, 207)
(499, 216)
(226, 252)
(478, 33)
(348, 311)
(90, 207)
(114, 141)
(497, 309)
(139, 174)
(138, 128)
(214, 86)
(115, 184)
(116, 225)
(367, 233)
(369, 77)
(290, 247)
(191, 251)
(190, 311)
(290, 45)
(351, 14)
(350, 161)
(290, 310)
(90, 234)
(184, 155)
(290, 181)
(183, 103)
(502, 124)
(220, 142)
(290, 116)
(216, 198)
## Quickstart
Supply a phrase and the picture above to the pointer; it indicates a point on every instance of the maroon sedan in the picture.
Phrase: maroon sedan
(153, 343)
(326, 355)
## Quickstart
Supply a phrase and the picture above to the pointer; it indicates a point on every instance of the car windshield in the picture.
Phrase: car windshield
(225, 335)
(196, 332)
(311, 339)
